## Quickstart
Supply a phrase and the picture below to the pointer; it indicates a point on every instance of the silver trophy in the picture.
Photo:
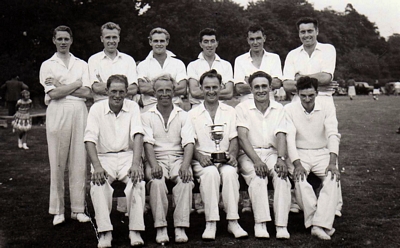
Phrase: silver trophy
(217, 134)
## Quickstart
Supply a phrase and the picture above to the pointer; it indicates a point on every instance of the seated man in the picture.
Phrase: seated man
(168, 145)
(114, 141)
(262, 136)
(313, 146)
(211, 175)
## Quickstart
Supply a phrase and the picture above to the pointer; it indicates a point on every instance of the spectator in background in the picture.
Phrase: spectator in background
(376, 91)
(351, 90)
(13, 90)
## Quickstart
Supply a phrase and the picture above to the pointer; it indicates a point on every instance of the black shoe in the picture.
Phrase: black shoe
(398, 131)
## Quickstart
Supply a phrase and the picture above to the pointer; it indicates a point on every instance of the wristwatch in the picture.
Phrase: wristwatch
(282, 158)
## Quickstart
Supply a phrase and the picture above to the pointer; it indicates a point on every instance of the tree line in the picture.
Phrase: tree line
(27, 27)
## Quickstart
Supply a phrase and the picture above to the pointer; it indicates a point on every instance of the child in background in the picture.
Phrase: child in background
(22, 122)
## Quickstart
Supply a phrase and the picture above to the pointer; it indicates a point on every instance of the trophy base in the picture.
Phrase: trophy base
(219, 157)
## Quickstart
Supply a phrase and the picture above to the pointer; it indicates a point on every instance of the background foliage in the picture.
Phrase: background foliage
(26, 27)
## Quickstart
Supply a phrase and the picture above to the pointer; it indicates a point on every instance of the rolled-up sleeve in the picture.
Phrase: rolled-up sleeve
(233, 129)
(331, 130)
(239, 73)
(242, 120)
(328, 63)
(187, 131)
(181, 72)
(45, 72)
(136, 121)
(92, 126)
(289, 70)
(132, 72)
(291, 138)
(281, 120)
(147, 129)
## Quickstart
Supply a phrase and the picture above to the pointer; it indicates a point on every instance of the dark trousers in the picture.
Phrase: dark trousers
(11, 107)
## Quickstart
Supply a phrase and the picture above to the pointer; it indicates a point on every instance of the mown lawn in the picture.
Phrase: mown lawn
(369, 152)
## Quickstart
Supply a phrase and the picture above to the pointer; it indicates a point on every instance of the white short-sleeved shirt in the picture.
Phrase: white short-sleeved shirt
(168, 140)
(113, 133)
(150, 69)
(55, 68)
(262, 128)
(323, 59)
(315, 130)
(201, 120)
(196, 68)
(100, 65)
(271, 64)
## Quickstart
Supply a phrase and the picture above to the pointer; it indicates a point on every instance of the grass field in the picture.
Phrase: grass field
(369, 152)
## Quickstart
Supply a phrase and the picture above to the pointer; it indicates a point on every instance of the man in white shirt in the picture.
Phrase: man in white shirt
(160, 61)
(313, 59)
(109, 62)
(262, 136)
(168, 145)
(211, 175)
(114, 142)
(313, 146)
(66, 83)
(206, 61)
(257, 59)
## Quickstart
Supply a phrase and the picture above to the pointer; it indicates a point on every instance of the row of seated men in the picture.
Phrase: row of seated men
(178, 147)
(68, 80)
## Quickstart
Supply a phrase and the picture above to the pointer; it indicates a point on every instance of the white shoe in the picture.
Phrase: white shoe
(320, 233)
(81, 217)
(260, 231)
(180, 235)
(19, 143)
(236, 229)
(246, 210)
(162, 235)
(294, 208)
(282, 232)
(136, 239)
(330, 232)
(338, 213)
(25, 146)
(58, 219)
(211, 229)
(105, 239)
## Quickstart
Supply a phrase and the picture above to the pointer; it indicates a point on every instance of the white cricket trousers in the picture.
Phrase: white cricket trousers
(210, 179)
(181, 192)
(65, 126)
(117, 166)
(258, 190)
(321, 211)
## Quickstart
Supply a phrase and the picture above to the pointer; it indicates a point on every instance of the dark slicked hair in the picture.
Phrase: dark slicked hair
(211, 74)
(258, 74)
(63, 29)
(117, 78)
(305, 20)
(254, 28)
(207, 31)
(307, 83)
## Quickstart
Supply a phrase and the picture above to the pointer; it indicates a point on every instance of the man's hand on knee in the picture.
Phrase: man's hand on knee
(99, 176)
(299, 171)
(156, 172)
(261, 169)
(136, 174)
(185, 174)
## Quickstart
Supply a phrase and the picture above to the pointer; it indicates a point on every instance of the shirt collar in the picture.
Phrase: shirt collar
(221, 106)
(169, 54)
(317, 107)
(249, 54)
(107, 109)
(317, 47)
(104, 55)
(201, 56)
(272, 104)
(57, 59)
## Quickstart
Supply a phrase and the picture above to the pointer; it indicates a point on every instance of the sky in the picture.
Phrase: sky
(384, 13)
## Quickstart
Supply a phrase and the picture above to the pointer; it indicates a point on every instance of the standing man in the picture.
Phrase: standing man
(262, 136)
(313, 146)
(160, 61)
(257, 59)
(206, 61)
(13, 90)
(66, 83)
(109, 62)
(313, 59)
(168, 145)
(212, 175)
(114, 142)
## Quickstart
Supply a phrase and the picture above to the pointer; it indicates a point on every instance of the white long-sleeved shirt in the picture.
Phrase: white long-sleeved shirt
(315, 130)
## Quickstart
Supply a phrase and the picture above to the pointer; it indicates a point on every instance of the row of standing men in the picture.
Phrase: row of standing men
(67, 83)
